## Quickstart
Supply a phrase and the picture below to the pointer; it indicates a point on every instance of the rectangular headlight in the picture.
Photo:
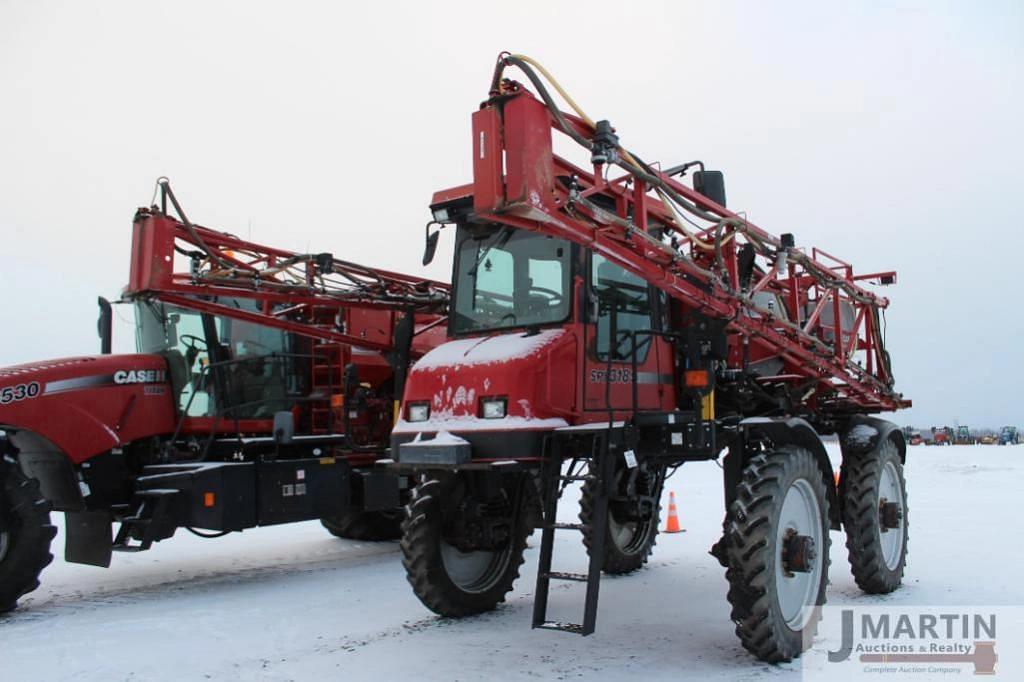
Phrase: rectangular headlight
(493, 408)
(419, 412)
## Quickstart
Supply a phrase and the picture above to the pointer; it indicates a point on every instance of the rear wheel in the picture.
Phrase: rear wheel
(875, 518)
(634, 511)
(367, 526)
(463, 540)
(25, 534)
(777, 547)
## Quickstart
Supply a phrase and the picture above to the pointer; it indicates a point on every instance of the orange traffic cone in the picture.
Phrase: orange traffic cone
(672, 526)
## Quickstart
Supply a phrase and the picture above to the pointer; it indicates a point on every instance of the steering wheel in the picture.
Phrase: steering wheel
(191, 341)
(555, 297)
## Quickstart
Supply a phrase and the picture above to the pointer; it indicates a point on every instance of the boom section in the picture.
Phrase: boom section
(312, 294)
(808, 308)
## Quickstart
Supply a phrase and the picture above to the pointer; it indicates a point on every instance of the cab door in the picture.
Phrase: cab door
(623, 310)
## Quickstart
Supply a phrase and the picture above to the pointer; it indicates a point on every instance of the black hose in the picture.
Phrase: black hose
(207, 535)
(548, 100)
(648, 175)
(166, 186)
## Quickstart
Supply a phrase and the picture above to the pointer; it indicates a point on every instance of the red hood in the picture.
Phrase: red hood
(89, 404)
(79, 366)
(533, 371)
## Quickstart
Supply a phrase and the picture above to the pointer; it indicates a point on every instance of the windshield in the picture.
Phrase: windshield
(510, 278)
(253, 385)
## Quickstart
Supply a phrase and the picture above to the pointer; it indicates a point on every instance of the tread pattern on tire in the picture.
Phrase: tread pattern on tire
(759, 623)
(29, 550)
(425, 571)
(860, 477)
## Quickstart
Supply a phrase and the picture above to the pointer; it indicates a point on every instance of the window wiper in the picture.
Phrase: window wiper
(499, 239)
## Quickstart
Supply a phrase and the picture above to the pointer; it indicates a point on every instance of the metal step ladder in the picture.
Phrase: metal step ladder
(597, 472)
(150, 523)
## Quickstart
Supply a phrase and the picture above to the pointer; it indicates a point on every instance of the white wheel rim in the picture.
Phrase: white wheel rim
(798, 592)
(476, 571)
(623, 534)
(628, 536)
(891, 539)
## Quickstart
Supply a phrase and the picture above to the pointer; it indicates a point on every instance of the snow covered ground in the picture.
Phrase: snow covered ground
(294, 603)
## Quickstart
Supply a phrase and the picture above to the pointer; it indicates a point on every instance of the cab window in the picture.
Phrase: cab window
(621, 295)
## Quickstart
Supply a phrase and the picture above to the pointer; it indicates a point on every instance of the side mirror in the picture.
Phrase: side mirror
(103, 325)
(711, 184)
(431, 245)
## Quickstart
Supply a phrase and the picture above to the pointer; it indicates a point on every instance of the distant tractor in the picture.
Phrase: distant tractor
(912, 436)
(1009, 436)
(942, 436)
(963, 436)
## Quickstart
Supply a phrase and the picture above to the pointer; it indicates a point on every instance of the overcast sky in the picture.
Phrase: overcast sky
(887, 133)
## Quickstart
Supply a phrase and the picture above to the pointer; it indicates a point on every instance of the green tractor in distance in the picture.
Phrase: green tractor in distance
(1009, 436)
(964, 437)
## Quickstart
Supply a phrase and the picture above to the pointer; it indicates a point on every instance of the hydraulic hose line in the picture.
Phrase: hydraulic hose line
(669, 196)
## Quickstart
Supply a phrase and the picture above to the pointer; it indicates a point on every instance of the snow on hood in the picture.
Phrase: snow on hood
(487, 350)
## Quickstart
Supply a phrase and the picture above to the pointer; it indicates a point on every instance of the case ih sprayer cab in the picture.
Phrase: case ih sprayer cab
(605, 330)
(263, 391)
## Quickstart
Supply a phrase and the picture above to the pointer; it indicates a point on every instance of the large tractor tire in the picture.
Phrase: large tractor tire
(634, 512)
(448, 574)
(25, 535)
(875, 517)
(777, 546)
(367, 526)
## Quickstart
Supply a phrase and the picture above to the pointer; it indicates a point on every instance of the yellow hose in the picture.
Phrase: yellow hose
(676, 218)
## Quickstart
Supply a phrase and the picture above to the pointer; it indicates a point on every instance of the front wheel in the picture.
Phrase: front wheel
(875, 518)
(777, 548)
(25, 534)
(463, 540)
(634, 510)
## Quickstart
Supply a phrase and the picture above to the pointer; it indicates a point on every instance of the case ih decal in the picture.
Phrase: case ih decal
(140, 376)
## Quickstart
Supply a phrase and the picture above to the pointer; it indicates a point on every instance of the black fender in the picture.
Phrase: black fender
(853, 442)
(796, 431)
(42, 460)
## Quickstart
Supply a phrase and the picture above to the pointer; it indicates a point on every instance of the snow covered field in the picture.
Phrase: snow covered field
(292, 602)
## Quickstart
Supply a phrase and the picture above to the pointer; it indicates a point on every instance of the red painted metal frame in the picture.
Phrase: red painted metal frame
(515, 183)
(226, 266)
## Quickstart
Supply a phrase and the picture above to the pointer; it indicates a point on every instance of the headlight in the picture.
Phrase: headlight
(493, 408)
(419, 412)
